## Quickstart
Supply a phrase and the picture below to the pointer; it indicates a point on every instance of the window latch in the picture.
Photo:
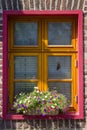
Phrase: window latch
(76, 63)
(76, 99)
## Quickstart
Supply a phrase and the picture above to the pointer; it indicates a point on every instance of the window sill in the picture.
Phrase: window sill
(59, 116)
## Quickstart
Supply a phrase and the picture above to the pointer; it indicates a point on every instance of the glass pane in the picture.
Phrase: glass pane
(25, 67)
(26, 34)
(61, 87)
(23, 87)
(59, 67)
(59, 33)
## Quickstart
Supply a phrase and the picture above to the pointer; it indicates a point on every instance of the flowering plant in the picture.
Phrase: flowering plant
(40, 103)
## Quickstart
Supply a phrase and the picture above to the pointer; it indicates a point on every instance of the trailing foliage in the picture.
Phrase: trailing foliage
(40, 103)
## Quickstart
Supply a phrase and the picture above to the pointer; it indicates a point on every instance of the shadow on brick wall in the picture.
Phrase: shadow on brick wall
(36, 124)
(43, 124)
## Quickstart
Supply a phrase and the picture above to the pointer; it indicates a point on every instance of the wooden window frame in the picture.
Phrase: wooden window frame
(61, 47)
(74, 104)
(11, 23)
(78, 47)
(11, 72)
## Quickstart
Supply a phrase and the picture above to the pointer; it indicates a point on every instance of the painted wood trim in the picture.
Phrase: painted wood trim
(79, 15)
(80, 66)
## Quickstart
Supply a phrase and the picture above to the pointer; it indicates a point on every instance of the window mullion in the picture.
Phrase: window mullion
(74, 82)
(40, 71)
(11, 78)
(44, 72)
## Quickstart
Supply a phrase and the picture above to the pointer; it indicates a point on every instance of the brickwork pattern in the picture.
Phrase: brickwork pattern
(45, 5)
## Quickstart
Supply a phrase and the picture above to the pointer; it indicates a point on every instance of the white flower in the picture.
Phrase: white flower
(20, 102)
(35, 87)
(53, 106)
(28, 97)
(28, 101)
(34, 96)
(45, 96)
(54, 99)
(25, 100)
(37, 91)
(24, 112)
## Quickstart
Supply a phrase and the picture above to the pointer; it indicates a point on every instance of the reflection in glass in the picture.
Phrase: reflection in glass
(25, 67)
(23, 87)
(26, 34)
(61, 87)
(59, 33)
(59, 67)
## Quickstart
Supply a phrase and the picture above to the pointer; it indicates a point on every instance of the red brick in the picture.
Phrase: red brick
(14, 124)
(20, 4)
(53, 5)
(25, 123)
(69, 4)
(37, 4)
(83, 123)
(85, 2)
(85, 38)
(0, 27)
(8, 124)
(42, 4)
(43, 124)
(85, 8)
(78, 125)
(48, 4)
(0, 61)
(19, 124)
(15, 4)
(60, 123)
(0, 66)
(31, 124)
(81, 4)
(66, 123)
(2, 124)
(26, 2)
(64, 5)
(85, 95)
(36, 124)
(0, 39)
(72, 123)
(85, 27)
(85, 84)
(55, 124)
(4, 4)
(31, 4)
(75, 5)
(9, 4)
(58, 4)
(85, 61)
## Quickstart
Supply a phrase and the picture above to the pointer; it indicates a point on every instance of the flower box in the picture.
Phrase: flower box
(40, 103)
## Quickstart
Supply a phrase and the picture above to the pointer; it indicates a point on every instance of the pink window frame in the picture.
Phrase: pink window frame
(79, 14)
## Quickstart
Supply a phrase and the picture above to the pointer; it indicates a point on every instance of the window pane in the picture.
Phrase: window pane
(26, 34)
(59, 33)
(59, 67)
(25, 67)
(61, 87)
(23, 87)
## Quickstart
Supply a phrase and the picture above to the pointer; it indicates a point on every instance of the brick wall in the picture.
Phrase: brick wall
(45, 5)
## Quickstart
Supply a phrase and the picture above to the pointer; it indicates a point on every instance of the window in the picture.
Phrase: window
(43, 50)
